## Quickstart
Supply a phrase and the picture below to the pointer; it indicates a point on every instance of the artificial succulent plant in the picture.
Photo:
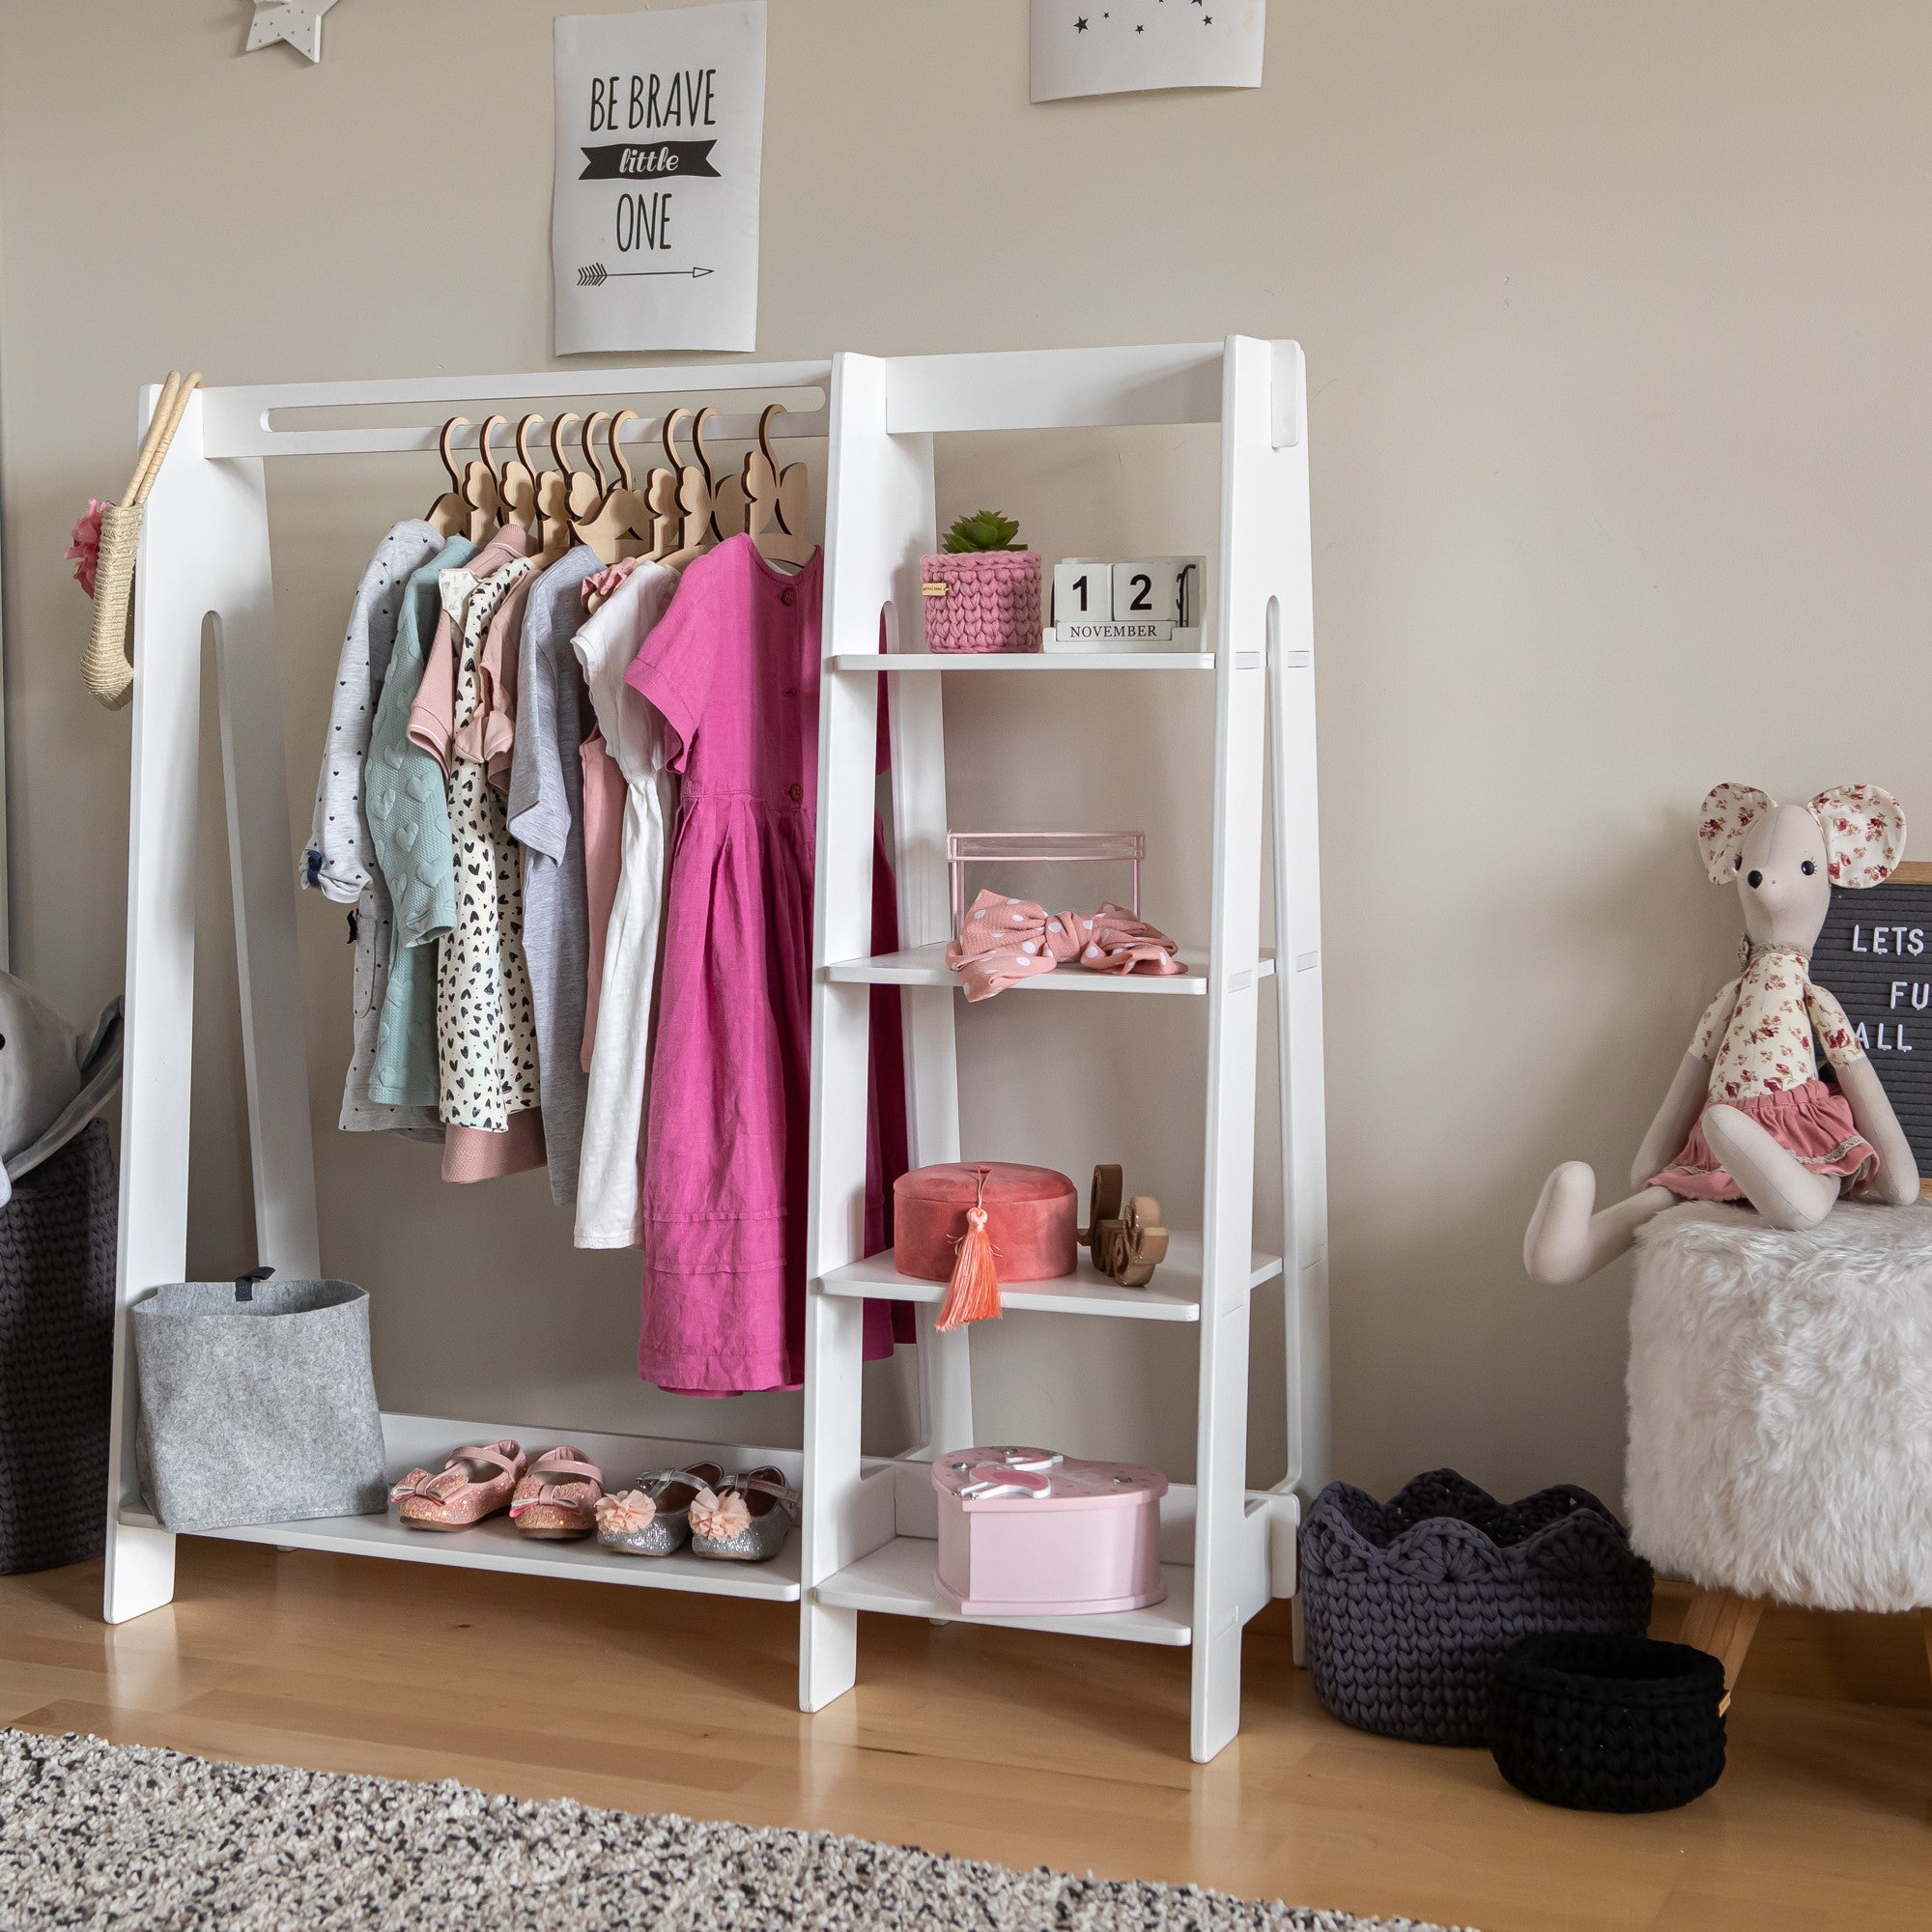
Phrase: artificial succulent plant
(986, 530)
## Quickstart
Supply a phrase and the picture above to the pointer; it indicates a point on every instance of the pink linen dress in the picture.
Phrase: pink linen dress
(733, 668)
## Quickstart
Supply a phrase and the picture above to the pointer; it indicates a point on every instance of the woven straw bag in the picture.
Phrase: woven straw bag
(108, 663)
(982, 601)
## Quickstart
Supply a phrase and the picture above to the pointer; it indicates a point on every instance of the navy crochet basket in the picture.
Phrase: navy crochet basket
(57, 1355)
(1407, 1604)
(1609, 1723)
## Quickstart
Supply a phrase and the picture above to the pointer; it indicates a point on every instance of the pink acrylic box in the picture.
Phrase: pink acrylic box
(1025, 1530)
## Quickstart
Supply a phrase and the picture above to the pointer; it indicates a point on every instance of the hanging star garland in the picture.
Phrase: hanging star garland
(298, 22)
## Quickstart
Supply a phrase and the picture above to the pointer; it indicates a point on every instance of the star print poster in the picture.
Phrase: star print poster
(1127, 46)
(660, 143)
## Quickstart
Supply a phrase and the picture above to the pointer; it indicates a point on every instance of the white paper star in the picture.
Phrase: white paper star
(297, 22)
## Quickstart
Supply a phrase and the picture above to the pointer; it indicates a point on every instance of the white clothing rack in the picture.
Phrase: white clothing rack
(866, 1541)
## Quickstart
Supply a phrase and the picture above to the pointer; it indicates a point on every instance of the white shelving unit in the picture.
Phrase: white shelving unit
(867, 1541)
(1228, 1547)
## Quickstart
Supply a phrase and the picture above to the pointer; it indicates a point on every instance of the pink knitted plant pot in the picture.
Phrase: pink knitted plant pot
(982, 601)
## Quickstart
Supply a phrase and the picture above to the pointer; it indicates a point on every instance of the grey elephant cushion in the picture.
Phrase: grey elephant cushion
(52, 1082)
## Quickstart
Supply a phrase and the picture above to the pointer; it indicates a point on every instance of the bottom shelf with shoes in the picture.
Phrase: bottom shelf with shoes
(427, 1441)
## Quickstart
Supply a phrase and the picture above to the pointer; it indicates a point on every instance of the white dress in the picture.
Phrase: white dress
(614, 1114)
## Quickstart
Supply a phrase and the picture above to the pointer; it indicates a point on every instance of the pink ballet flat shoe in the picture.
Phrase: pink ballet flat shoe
(557, 1499)
(474, 1482)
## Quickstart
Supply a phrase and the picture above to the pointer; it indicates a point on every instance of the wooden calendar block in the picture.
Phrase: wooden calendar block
(1082, 590)
(1155, 589)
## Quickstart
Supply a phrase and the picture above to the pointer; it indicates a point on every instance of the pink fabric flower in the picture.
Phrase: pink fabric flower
(626, 1512)
(720, 1517)
(83, 552)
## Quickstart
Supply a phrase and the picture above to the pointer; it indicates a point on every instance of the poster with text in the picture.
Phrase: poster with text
(660, 140)
(1127, 47)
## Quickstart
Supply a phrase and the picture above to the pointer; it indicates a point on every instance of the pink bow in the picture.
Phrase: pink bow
(1006, 941)
(430, 1489)
(999, 1479)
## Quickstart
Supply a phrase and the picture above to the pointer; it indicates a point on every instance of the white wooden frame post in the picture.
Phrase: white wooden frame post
(204, 562)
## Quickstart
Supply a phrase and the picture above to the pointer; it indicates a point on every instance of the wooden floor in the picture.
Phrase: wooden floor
(1024, 1748)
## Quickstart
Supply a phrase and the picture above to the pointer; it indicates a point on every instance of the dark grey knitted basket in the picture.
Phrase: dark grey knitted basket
(57, 1355)
(1407, 1604)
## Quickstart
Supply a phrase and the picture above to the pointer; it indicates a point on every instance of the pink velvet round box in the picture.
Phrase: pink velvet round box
(1032, 1214)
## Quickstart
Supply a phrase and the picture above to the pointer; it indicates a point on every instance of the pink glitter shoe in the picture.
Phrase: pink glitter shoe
(474, 1482)
(557, 1499)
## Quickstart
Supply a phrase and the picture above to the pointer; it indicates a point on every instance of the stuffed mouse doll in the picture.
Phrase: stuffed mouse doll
(1748, 1117)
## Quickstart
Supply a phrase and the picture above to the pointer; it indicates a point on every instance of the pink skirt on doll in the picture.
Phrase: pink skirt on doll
(1813, 1122)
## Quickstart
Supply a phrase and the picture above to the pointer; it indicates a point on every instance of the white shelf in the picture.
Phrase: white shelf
(426, 1441)
(925, 966)
(1173, 1295)
(898, 1579)
(494, 1545)
(874, 660)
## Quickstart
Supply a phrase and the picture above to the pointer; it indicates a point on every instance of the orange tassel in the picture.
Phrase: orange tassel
(972, 1294)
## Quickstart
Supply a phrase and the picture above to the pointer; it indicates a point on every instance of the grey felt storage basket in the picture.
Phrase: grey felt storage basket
(57, 1355)
(257, 1403)
(1407, 1604)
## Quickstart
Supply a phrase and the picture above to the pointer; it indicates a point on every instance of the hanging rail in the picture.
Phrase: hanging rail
(236, 420)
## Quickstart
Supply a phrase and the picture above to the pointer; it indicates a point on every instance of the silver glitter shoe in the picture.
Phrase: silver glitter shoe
(747, 1520)
(652, 1518)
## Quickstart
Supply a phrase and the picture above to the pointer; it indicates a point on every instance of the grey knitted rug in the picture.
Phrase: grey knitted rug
(97, 1834)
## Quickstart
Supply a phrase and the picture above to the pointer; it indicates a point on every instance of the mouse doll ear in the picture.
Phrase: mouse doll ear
(1728, 811)
(1864, 834)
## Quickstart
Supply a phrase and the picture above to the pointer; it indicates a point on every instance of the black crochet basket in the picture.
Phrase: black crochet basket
(1407, 1604)
(57, 1355)
(1609, 1723)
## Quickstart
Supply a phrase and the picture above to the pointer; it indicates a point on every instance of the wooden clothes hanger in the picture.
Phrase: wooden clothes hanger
(695, 534)
(449, 514)
(582, 493)
(677, 499)
(662, 492)
(516, 480)
(608, 530)
(777, 501)
(770, 504)
(484, 500)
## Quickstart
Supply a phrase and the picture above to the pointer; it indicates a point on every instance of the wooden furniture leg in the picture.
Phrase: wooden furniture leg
(1723, 1623)
(1925, 1623)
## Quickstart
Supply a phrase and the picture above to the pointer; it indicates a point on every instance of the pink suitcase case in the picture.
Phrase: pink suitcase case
(1023, 1530)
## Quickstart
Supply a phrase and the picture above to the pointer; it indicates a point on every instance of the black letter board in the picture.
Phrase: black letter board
(1875, 953)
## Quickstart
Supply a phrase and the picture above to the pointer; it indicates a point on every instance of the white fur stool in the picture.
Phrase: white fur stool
(1780, 1413)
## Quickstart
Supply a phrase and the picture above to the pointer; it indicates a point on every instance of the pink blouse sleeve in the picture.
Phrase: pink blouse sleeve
(433, 715)
(675, 663)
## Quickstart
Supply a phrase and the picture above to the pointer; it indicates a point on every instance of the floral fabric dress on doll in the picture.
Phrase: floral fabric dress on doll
(733, 670)
(1757, 1034)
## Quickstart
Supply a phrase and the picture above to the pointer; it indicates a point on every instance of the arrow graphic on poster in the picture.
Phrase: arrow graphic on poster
(597, 274)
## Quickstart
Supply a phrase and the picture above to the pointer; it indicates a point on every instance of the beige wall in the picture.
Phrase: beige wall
(1616, 323)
